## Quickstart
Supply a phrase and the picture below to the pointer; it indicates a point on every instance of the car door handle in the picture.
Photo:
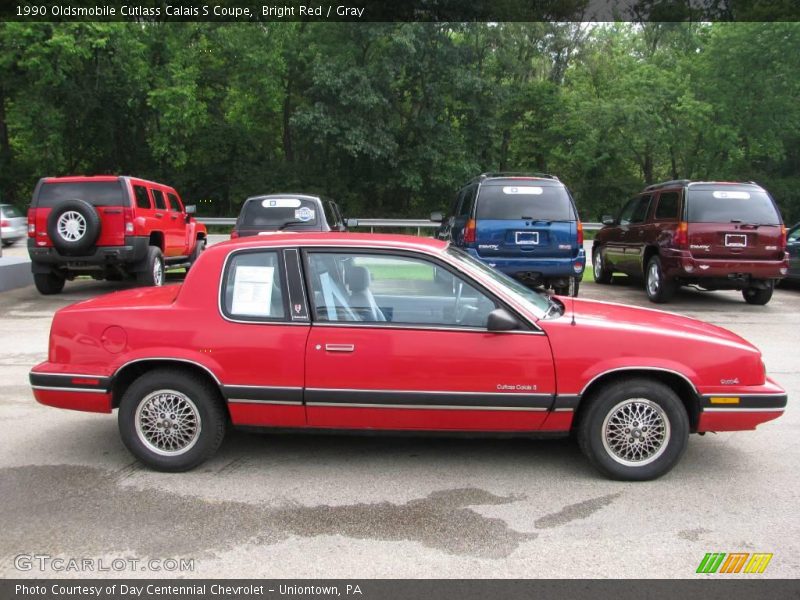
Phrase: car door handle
(174, 217)
(159, 215)
(339, 347)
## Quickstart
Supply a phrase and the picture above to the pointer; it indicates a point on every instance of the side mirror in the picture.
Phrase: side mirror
(190, 209)
(607, 220)
(351, 223)
(437, 217)
(501, 320)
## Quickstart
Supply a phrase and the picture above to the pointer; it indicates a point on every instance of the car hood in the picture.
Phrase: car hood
(650, 321)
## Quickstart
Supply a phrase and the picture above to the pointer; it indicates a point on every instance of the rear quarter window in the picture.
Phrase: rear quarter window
(725, 205)
(96, 193)
(516, 202)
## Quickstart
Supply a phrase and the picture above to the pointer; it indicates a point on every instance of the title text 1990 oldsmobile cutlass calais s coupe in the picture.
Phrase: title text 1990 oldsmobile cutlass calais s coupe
(329, 331)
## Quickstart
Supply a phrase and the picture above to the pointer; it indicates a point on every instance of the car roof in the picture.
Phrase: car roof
(343, 239)
(689, 183)
(77, 178)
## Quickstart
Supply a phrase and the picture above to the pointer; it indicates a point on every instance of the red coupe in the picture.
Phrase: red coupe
(334, 331)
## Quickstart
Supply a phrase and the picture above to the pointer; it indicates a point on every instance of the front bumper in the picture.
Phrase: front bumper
(546, 268)
(134, 251)
(737, 409)
(682, 264)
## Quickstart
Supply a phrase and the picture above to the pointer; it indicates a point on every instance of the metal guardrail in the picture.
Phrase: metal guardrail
(373, 224)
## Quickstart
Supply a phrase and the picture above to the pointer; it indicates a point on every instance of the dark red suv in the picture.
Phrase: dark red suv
(109, 227)
(715, 235)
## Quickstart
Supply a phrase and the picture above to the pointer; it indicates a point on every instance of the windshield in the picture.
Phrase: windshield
(269, 214)
(539, 301)
(524, 201)
(731, 204)
(96, 193)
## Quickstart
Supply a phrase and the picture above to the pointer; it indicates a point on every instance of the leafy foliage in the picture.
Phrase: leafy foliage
(390, 119)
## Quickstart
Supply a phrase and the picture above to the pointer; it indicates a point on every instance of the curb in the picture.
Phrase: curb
(14, 273)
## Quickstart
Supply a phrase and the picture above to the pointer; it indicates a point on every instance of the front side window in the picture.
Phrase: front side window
(252, 287)
(174, 203)
(395, 289)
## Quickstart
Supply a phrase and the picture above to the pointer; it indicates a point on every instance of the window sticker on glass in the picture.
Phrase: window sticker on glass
(280, 203)
(732, 195)
(534, 191)
(304, 214)
(252, 291)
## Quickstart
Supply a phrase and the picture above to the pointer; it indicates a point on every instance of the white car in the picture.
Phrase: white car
(13, 225)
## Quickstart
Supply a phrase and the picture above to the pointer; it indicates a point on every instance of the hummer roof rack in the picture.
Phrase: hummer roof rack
(671, 182)
(517, 174)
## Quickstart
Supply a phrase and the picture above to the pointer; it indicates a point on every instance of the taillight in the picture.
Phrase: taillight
(783, 238)
(580, 233)
(469, 232)
(127, 216)
(682, 235)
(31, 224)
(4, 223)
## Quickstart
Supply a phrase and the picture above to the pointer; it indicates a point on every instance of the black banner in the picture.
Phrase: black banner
(390, 589)
(399, 10)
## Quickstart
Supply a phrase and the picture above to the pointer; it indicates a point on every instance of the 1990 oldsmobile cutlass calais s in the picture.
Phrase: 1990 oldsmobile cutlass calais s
(330, 331)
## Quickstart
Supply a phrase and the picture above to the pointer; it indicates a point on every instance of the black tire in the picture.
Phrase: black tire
(204, 408)
(758, 296)
(86, 223)
(658, 286)
(152, 272)
(565, 291)
(48, 283)
(600, 270)
(199, 247)
(611, 404)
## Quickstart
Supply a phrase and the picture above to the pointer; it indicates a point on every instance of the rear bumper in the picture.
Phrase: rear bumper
(12, 234)
(682, 264)
(134, 250)
(742, 408)
(89, 393)
(546, 267)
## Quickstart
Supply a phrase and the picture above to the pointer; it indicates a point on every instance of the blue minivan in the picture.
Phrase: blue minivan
(526, 226)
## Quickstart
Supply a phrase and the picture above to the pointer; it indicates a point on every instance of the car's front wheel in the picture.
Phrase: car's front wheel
(601, 272)
(634, 429)
(171, 421)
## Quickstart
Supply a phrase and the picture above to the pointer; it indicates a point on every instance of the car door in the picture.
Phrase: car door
(616, 236)
(178, 225)
(396, 347)
(260, 340)
(636, 238)
(161, 220)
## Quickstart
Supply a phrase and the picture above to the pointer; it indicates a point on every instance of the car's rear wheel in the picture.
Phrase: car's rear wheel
(153, 271)
(601, 272)
(171, 421)
(199, 246)
(569, 290)
(634, 429)
(48, 283)
(659, 287)
(759, 296)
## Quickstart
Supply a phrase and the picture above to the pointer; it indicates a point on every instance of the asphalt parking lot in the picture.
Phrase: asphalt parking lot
(351, 506)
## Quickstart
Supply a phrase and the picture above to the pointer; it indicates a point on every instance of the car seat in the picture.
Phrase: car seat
(361, 299)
